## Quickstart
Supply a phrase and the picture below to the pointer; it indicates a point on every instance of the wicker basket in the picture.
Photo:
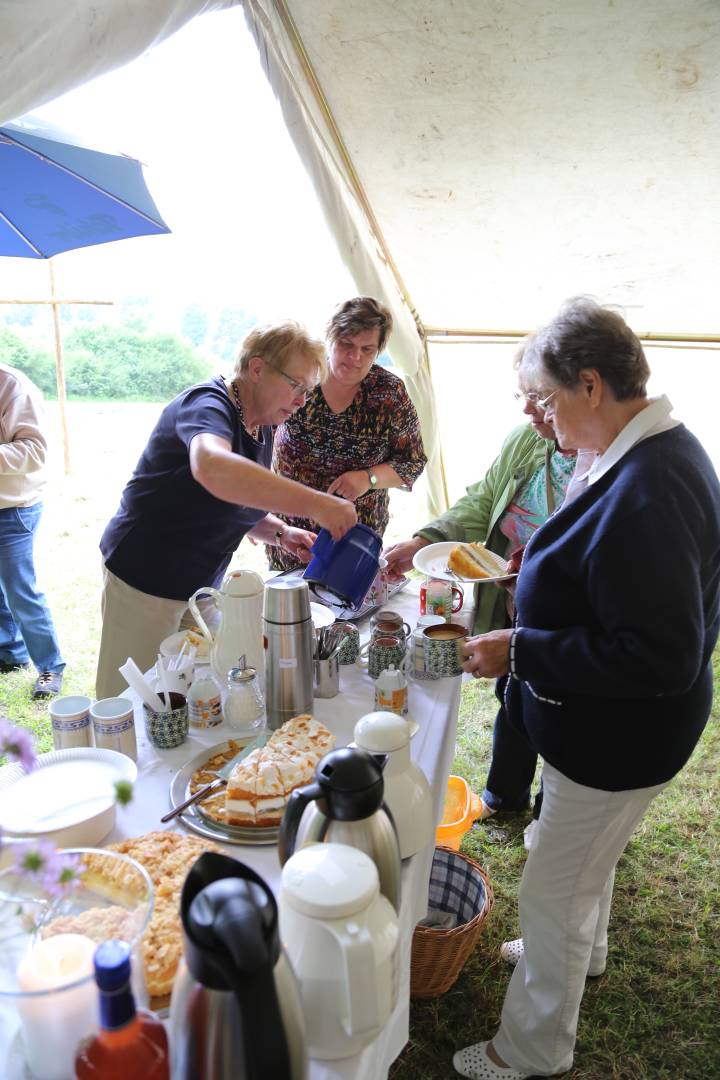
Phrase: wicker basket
(459, 885)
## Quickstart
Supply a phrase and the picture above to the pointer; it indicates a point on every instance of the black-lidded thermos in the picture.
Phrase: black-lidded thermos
(289, 640)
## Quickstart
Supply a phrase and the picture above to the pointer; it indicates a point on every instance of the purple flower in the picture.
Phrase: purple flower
(36, 859)
(18, 743)
(58, 871)
(65, 874)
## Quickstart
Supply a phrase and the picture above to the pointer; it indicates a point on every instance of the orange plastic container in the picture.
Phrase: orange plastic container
(462, 807)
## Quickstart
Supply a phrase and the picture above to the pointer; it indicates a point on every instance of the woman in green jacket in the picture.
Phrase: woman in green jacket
(527, 481)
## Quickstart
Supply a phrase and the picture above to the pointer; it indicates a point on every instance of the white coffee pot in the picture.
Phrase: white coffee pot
(240, 603)
(341, 937)
(407, 791)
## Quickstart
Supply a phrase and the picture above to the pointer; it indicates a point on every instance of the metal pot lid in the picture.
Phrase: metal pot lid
(287, 600)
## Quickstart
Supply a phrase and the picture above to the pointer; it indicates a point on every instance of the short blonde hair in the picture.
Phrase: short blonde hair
(277, 343)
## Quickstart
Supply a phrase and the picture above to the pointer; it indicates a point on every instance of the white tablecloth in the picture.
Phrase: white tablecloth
(434, 705)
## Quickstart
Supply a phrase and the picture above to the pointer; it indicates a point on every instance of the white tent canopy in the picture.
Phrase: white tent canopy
(477, 160)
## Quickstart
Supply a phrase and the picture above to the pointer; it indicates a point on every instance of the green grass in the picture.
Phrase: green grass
(653, 1016)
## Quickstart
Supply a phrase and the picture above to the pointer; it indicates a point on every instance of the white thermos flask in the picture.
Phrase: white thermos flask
(289, 640)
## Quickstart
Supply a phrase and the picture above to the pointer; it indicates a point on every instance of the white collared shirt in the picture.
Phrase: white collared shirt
(651, 420)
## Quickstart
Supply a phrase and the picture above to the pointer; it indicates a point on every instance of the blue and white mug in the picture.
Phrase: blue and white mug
(114, 725)
(70, 720)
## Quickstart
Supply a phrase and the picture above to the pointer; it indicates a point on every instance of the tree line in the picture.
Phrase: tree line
(109, 363)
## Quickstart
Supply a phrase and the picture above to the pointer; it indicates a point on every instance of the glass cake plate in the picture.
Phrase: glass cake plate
(194, 818)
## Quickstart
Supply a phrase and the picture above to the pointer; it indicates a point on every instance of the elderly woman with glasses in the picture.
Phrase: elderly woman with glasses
(617, 613)
(527, 481)
(358, 434)
(202, 483)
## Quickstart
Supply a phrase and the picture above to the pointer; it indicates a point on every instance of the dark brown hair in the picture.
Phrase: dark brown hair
(360, 313)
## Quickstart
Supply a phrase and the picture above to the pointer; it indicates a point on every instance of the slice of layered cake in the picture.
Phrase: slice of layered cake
(259, 786)
(240, 793)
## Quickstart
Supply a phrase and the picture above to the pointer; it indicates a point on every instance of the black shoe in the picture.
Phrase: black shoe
(6, 666)
(47, 684)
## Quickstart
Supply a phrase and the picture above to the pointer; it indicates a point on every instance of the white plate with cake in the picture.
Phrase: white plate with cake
(194, 638)
(452, 561)
(249, 809)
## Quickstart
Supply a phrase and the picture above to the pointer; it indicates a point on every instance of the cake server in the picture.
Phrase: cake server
(223, 775)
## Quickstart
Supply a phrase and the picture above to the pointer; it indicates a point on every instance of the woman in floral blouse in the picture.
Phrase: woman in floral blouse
(358, 434)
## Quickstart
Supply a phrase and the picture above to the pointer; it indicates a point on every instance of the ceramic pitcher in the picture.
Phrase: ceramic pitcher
(240, 603)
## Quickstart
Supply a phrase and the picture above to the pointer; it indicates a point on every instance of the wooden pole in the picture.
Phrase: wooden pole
(59, 369)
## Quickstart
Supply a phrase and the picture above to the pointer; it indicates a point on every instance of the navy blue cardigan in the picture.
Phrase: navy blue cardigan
(618, 608)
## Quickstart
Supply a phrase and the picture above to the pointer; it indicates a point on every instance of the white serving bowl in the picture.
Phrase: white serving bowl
(69, 798)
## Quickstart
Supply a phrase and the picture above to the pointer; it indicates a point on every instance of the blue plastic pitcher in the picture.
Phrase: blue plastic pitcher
(345, 567)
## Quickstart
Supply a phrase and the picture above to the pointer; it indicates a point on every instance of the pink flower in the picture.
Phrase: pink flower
(17, 743)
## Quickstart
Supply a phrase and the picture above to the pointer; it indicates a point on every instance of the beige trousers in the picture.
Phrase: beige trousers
(133, 624)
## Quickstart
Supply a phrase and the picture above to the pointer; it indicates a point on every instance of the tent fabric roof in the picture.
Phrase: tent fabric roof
(48, 48)
(519, 152)
(478, 160)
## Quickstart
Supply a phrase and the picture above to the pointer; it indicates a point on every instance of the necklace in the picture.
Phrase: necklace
(252, 432)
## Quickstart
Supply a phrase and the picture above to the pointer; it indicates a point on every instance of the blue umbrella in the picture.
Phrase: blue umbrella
(56, 194)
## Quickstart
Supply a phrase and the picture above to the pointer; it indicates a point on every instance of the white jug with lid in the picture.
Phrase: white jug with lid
(341, 936)
(240, 602)
(407, 791)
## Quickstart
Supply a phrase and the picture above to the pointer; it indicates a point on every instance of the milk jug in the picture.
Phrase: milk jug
(240, 603)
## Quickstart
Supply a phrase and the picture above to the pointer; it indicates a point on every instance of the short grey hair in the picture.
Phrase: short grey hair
(584, 334)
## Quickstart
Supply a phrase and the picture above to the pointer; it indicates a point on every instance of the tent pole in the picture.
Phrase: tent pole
(59, 369)
(517, 335)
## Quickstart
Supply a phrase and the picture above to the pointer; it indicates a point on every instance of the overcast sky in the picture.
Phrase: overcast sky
(246, 229)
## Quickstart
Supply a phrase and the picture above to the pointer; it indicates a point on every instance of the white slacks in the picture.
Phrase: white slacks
(564, 904)
(133, 624)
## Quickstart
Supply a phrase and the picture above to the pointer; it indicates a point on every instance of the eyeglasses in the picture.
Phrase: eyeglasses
(531, 398)
(298, 387)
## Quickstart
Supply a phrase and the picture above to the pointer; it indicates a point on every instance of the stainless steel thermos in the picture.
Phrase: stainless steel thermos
(289, 640)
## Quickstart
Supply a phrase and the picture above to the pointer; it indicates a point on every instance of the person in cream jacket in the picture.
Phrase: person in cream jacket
(27, 632)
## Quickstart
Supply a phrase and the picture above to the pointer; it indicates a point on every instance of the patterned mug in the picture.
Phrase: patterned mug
(389, 622)
(417, 645)
(440, 598)
(383, 652)
(168, 728)
(379, 591)
(350, 648)
(442, 648)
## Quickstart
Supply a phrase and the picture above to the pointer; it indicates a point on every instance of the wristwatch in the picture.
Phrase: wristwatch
(372, 478)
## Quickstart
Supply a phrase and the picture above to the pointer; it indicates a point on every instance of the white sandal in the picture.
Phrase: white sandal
(474, 1063)
(511, 951)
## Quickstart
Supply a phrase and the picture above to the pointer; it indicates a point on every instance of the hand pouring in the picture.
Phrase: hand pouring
(347, 567)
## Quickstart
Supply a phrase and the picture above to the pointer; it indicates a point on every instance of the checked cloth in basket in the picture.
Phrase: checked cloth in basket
(455, 886)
